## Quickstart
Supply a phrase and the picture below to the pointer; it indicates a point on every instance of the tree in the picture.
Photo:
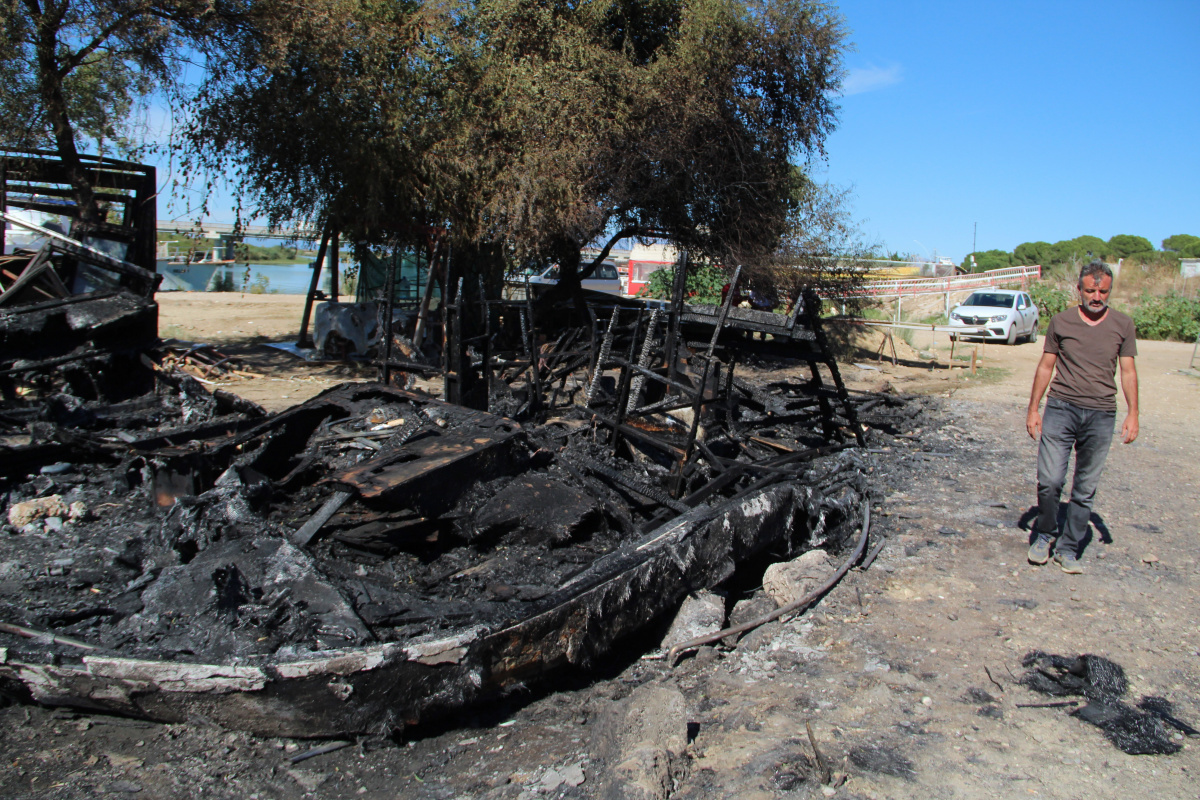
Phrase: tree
(525, 130)
(1184, 244)
(1124, 245)
(1080, 250)
(1029, 253)
(988, 259)
(74, 71)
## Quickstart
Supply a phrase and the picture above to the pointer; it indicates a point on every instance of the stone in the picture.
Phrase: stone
(789, 581)
(701, 613)
(643, 741)
(30, 511)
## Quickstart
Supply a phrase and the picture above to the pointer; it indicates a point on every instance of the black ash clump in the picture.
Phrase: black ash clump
(1102, 683)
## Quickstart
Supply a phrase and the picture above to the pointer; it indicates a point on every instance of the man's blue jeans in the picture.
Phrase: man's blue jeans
(1089, 432)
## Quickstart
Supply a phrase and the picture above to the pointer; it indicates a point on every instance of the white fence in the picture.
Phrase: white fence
(902, 287)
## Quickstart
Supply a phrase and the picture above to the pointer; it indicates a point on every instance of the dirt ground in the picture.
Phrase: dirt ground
(905, 671)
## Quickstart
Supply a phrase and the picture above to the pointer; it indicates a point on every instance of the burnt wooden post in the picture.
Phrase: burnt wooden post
(386, 333)
(535, 360)
(812, 305)
(304, 340)
(737, 273)
(453, 353)
(333, 265)
(426, 298)
(679, 289)
(625, 382)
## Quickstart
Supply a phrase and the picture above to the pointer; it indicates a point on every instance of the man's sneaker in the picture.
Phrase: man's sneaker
(1068, 562)
(1039, 551)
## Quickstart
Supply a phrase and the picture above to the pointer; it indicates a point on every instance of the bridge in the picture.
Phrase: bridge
(227, 230)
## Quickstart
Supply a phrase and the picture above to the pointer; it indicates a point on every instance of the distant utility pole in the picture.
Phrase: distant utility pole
(974, 234)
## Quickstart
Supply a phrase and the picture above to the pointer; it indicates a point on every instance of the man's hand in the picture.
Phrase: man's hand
(1041, 380)
(1033, 424)
(1129, 429)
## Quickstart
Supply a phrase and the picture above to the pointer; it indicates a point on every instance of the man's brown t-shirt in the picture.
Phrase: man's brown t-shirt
(1087, 357)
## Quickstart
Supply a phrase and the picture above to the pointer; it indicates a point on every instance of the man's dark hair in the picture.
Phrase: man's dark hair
(1096, 269)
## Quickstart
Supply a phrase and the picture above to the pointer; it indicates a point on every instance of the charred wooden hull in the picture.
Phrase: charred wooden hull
(378, 688)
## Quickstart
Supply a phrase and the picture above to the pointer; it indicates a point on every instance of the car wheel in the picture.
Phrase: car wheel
(1033, 332)
(1012, 335)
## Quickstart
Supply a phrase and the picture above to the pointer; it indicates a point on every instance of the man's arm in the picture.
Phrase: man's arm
(1129, 429)
(1041, 379)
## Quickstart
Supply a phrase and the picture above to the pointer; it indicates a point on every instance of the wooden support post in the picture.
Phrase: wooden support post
(678, 291)
(426, 298)
(712, 344)
(333, 265)
(304, 340)
(389, 306)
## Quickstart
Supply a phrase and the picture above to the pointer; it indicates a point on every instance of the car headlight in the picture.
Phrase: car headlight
(999, 317)
(954, 316)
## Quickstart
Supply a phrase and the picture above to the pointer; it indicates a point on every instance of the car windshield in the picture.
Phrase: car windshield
(991, 300)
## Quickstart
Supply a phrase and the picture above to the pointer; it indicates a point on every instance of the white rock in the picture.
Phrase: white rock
(30, 511)
(789, 581)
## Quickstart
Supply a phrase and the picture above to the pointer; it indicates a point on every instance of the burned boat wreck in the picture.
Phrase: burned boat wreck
(375, 557)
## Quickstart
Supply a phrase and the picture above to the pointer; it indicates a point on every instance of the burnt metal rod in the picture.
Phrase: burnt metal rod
(54, 638)
(795, 605)
(319, 751)
(870, 559)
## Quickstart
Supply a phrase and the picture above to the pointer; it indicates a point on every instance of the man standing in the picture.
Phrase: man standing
(1083, 346)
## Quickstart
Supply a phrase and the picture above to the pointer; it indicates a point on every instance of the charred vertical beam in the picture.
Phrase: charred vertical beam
(486, 349)
(639, 380)
(333, 264)
(678, 291)
(712, 344)
(535, 360)
(812, 305)
(602, 356)
(389, 308)
(304, 340)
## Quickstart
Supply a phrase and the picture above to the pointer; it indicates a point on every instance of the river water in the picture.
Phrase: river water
(272, 278)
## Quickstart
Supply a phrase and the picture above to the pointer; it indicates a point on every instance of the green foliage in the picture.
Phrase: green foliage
(223, 282)
(259, 254)
(1080, 250)
(1124, 245)
(1029, 253)
(988, 259)
(261, 285)
(704, 283)
(1049, 300)
(1184, 244)
(1173, 316)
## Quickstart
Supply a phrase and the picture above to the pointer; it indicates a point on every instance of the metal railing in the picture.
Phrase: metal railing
(955, 283)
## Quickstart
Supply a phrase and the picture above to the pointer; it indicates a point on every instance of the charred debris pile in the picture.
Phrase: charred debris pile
(375, 556)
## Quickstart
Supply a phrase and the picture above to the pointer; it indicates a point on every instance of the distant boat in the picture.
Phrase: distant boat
(187, 272)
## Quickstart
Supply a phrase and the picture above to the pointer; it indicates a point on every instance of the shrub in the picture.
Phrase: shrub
(1173, 316)
(1050, 300)
(704, 283)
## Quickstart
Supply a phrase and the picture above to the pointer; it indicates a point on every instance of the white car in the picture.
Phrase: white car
(605, 279)
(1006, 315)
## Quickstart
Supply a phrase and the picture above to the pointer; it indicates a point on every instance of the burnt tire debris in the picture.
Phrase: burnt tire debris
(375, 557)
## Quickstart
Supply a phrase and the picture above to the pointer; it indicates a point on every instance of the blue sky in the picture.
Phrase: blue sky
(1036, 120)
